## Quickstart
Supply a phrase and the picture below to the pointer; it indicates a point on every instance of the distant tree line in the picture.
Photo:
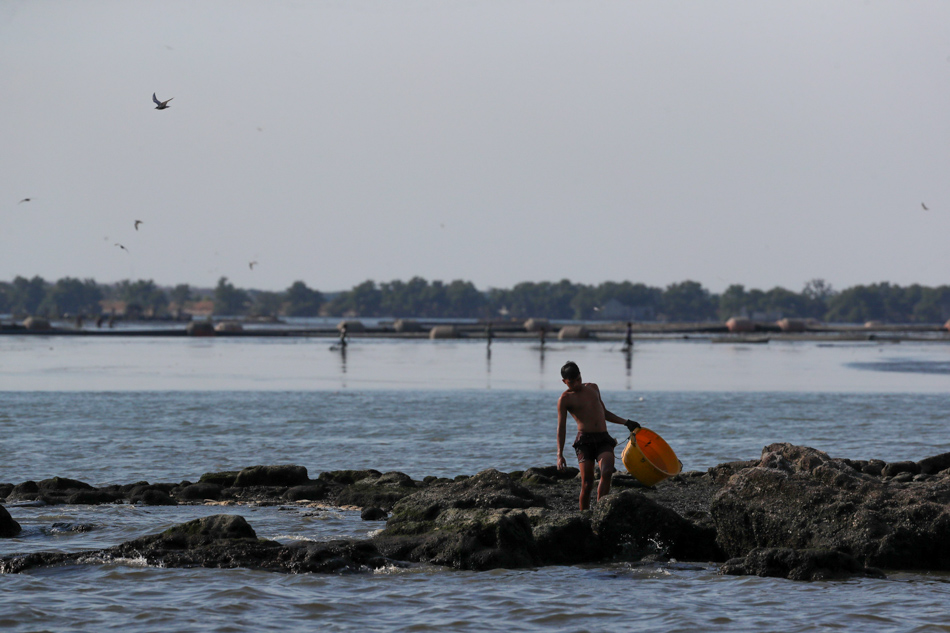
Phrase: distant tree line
(419, 298)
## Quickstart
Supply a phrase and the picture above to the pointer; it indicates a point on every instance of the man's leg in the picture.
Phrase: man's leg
(606, 472)
(587, 482)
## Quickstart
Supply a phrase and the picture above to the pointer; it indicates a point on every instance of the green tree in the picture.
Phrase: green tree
(72, 296)
(228, 300)
(180, 295)
(142, 297)
(302, 301)
(27, 294)
(688, 301)
(266, 303)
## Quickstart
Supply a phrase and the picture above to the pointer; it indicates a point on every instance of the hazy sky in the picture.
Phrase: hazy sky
(753, 142)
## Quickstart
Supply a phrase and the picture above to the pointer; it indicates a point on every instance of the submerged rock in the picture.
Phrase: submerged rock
(8, 526)
(798, 564)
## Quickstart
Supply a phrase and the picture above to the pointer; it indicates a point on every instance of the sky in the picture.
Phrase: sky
(763, 143)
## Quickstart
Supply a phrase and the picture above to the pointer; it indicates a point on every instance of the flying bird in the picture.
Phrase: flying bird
(924, 206)
(161, 105)
(23, 200)
(122, 247)
(251, 265)
(137, 222)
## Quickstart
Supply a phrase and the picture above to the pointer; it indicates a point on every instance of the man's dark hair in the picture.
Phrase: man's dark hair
(570, 371)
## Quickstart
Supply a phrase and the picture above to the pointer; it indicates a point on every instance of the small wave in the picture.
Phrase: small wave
(904, 366)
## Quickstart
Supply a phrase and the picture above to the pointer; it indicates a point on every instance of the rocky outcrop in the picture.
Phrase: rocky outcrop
(798, 497)
(795, 513)
(224, 541)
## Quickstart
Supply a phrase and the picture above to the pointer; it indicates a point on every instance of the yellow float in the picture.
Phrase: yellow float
(649, 458)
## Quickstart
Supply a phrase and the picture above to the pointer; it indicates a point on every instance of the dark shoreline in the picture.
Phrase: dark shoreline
(795, 513)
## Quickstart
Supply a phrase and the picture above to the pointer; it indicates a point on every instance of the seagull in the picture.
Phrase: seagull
(122, 247)
(924, 206)
(160, 105)
(23, 200)
(251, 265)
(137, 222)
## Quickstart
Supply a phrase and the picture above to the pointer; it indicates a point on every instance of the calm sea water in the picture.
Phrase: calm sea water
(117, 411)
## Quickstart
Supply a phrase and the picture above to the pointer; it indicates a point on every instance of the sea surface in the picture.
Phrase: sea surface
(121, 410)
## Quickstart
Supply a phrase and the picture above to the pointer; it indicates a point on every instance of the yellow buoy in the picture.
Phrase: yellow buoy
(649, 458)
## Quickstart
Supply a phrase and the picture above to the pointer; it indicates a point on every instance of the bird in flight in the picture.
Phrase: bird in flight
(161, 105)
(251, 265)
(122, 247)
(137, 222)
(924, 206)
(23, 200)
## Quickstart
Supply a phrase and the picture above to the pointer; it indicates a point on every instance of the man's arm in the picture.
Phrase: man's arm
(612, 417)
(561, 432)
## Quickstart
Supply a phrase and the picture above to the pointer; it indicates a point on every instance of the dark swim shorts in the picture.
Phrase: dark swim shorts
(589, 445)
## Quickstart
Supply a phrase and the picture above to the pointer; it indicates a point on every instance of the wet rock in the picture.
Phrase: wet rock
(477, 523)
(347, 477)
(899, 468)
(382, 491)
(281, 475)
(373, 514)
(223, 541)
(62, 484)
(199, 492)
(5, 489)
(311, 492)
(92, 497)
(799, 498)
(935, 464)
(26, 491)
(225, 479)
(152, 495)
(631, 525)
(798, 564)
(8, 526)
(567, 540)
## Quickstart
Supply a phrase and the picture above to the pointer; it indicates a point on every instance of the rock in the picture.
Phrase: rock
(26, 491)
(630, 525)
(310, 492)
(150, 495)
(61, 484)
(5, 490)
(351, 326)
(373, 514)
(199, 492)
(933, 465)
(567, 540)
(283, 475)
(799, 498)
(37, 323)
(382, 491)
(478, 523)
(899, 468)
(92, 497)
(8, 526)
(537, 325)
(224, 541)
(798, 564)
(347, 476)
(225, 478)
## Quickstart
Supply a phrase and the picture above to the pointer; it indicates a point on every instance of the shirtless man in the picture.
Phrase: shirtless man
(593, 443)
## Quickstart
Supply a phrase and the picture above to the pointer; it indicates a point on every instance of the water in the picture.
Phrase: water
(116, 411)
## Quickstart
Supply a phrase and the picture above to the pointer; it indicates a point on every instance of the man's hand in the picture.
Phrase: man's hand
(631, 425)
(561, 464)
